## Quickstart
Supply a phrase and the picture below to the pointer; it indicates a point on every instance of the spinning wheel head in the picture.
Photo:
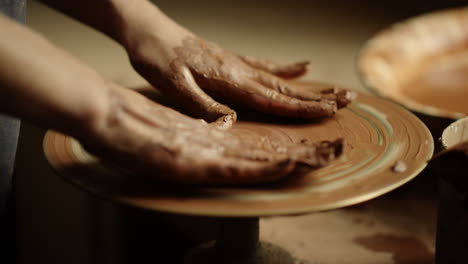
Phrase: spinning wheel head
(378, 136)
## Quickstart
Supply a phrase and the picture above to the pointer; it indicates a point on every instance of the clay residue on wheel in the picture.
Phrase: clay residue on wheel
(403, 249)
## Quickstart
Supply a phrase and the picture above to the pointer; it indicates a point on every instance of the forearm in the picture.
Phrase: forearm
(125, 21)
(45, 85)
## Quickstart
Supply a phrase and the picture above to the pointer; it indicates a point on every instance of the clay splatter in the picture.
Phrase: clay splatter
(405, 250)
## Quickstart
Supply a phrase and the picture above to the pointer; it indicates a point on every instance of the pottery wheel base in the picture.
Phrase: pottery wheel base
(237, 242)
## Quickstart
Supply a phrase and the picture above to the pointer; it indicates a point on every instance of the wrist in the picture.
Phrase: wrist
(83, 116)
(144, 23)
(125, 21)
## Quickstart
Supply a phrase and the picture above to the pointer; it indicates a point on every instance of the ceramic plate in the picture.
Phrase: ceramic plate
(385, 147)
(421, 63)
(455, 133)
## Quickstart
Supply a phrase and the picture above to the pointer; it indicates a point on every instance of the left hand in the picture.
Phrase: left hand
(192, 72)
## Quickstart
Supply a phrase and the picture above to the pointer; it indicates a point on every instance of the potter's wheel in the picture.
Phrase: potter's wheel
(377, 135)
(385, 147)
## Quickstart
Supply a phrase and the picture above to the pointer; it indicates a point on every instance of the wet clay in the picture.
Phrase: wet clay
(405, 250)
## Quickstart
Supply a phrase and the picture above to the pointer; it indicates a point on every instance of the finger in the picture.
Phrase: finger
(232, 171)
(162, 164)
(222, 116)
(263, 99)
(247, 172)
(184, 91)
(226, 120)
(316, 154)
(341, 96)
(283, 87)
(284, 71)
(190, 96)
(237, 170)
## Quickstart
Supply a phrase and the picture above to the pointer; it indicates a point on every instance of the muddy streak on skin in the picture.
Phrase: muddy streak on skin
(405, 250)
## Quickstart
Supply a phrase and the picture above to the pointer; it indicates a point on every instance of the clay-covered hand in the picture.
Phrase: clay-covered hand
(159, 143)
(195, 74)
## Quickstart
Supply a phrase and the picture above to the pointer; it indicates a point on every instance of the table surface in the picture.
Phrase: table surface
(396, 228)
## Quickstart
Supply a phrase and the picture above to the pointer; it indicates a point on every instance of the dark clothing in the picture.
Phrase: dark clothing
(9, 130)
(15, 9)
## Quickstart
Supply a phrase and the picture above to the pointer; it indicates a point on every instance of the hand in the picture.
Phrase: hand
(59, 92)
(159, 143)
(192, 72)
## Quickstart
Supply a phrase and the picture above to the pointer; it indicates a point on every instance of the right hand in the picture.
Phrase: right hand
(158, 143)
